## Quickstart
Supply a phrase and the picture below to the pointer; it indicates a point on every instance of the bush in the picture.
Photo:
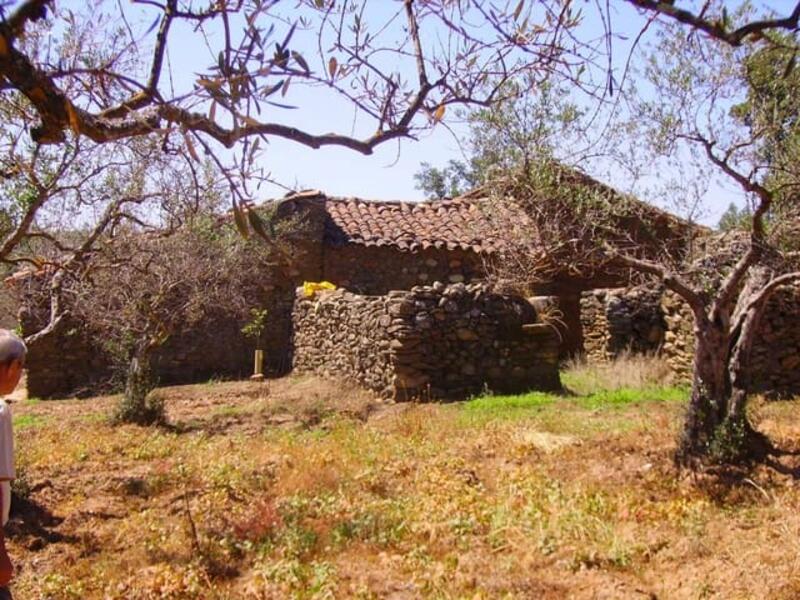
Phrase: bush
(147, 411)
(141, 404)
(736, 442)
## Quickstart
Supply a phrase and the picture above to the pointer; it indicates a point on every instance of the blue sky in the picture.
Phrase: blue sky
(389, 172)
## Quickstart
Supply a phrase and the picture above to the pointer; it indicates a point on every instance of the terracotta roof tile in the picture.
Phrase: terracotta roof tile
(408, 226)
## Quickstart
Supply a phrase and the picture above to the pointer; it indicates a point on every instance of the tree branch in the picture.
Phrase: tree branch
(671, 280)
(717, 28)
(764, 294)
(31, 10)
(21, 230)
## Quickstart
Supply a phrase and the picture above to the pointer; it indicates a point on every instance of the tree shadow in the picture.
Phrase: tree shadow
(35, 524)
(746, 482)
(791, 471)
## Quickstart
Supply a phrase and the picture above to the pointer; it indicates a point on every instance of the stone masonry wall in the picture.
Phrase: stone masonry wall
(621, 320)
(377, 270)
(340, 334)
(71, 361)
(775, 361)
(430, 342)
(678, 348)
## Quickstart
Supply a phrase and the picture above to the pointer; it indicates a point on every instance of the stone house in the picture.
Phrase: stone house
(366, 247)
(371, 249)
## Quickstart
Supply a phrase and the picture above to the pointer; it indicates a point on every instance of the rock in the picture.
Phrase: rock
(466, 335)
(430, 341)
(791, 362)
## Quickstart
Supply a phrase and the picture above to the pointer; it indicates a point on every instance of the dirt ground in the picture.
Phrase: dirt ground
(312, 489)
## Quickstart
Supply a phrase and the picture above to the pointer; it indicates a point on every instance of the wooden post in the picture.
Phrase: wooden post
(258, 366)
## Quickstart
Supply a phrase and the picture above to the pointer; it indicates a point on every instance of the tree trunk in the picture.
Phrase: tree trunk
(138, 381)
(138, 405)
(739, 368)
(751, 443)
(742, 346)
(716, 428)
(710, 393)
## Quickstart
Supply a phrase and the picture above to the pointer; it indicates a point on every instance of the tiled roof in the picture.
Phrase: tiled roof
(407, 226)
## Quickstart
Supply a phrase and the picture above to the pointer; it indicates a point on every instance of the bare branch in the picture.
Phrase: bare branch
(717, 28)
(671, 280)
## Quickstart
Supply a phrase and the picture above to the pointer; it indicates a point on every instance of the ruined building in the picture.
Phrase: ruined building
(411, 317)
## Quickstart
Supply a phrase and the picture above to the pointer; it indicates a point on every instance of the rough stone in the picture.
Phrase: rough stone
(429, 355)
(620, 320)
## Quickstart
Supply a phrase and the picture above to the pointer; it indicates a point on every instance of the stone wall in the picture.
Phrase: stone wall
(340, 334)
(430, 342)
(621, 320)
(72, 361)
(69, 361)
(65, 362)
(678, 347)
(377, 270)
(775, 361)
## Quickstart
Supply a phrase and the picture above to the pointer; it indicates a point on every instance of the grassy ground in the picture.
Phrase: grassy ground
(311, 489)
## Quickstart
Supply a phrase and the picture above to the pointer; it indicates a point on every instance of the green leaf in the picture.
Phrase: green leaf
(790, 65)
(272, 90)
(301, 61)
(253, 150)
(190, 146)
(257, 224)
(241, 222)
(518, 10)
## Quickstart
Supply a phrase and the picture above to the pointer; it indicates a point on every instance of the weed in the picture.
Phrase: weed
(149, 411)
(55, 585)
(635, 371)
(25, 421)
(370, 527)
(20, 485)
(437, 501)
(141, 404)
(486, 408)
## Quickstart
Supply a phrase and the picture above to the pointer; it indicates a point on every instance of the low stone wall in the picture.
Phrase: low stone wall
(339, 334)
(775, 361)
(678, 348)
(70, 360)
(427, 343)
(618, 320)
(65, 362)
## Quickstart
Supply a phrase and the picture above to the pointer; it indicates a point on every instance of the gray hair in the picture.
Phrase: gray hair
(11, 348)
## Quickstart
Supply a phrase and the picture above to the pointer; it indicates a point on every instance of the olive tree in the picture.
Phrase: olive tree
(141, 288)
(723, 101)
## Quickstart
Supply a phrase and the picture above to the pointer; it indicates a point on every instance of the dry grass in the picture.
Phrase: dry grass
(634, 371)
(257, 495)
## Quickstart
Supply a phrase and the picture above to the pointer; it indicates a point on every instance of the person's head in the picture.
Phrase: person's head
(12, 359)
